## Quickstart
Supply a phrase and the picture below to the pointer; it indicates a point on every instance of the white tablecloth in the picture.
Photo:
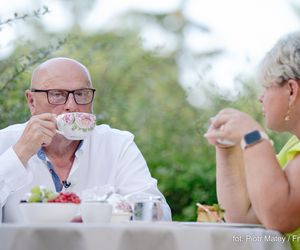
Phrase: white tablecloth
(139, 236)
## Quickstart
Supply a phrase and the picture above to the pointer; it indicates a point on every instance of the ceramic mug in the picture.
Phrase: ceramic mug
(76, 125)
(96, 211)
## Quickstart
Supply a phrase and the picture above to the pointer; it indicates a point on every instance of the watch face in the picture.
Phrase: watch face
(252, 137)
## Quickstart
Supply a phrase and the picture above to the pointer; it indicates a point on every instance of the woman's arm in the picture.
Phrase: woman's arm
(230, 125)
(275, 194)
(231, 186)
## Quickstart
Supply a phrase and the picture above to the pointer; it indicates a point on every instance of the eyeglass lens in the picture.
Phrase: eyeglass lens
(81, 96)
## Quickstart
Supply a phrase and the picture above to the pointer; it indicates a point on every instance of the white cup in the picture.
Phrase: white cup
(76, 125)
(96, 211)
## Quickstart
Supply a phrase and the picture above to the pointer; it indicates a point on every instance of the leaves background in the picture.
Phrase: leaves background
(138, 90)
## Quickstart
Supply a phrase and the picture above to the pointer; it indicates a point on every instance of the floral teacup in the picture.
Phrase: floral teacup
(76, 125)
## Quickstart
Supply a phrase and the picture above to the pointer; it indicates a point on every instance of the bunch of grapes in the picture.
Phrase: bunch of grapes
(42, 194)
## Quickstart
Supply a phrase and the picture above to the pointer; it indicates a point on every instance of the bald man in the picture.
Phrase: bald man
(33, 153)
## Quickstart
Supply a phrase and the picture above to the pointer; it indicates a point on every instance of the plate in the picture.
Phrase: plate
(213, 224)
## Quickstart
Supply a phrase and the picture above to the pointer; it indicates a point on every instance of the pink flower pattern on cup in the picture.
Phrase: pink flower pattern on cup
(68, 118)
(79, 121)
(84, 121)
(76, 125)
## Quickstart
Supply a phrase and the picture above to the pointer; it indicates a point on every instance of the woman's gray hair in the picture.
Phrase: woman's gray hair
(282, 62)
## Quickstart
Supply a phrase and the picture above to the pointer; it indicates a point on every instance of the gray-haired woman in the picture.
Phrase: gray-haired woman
(253, 184)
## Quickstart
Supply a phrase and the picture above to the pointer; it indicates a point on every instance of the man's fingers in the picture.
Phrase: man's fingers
(36, 123)
(45, 117)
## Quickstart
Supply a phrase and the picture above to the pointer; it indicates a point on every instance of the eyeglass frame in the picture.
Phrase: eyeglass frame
(68, 91)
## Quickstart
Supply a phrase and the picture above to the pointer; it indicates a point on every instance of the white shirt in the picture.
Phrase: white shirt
(106, 157)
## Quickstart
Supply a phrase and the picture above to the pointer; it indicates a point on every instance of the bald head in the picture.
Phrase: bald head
(59, 69)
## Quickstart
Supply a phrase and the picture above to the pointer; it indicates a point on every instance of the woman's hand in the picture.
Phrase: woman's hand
(228, 127)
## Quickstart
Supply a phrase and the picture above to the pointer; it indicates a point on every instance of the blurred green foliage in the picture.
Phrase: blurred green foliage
(138, 90)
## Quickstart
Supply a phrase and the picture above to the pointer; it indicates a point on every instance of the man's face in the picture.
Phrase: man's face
(64, 75)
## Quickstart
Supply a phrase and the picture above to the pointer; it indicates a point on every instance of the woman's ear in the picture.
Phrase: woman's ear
(293, 87)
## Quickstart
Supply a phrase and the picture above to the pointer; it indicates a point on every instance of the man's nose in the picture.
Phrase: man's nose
(71, 105)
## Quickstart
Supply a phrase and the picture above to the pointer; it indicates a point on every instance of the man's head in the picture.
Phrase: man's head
(60, 74)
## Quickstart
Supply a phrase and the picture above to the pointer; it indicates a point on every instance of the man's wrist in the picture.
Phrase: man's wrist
(22, 153)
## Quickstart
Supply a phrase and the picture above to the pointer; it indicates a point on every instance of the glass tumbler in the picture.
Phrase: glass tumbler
(147, 208)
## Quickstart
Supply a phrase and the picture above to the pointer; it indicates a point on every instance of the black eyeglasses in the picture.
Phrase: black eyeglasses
(60, 96)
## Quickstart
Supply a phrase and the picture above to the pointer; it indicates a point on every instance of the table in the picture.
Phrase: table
(138, 236)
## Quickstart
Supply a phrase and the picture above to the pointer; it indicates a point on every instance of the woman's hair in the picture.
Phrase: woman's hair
(282, 62)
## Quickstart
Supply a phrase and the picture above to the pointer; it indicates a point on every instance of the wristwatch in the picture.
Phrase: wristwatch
(253, 138)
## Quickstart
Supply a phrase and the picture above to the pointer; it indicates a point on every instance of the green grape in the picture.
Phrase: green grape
(36, 190)
(41, 194)
(34, 198)
(49, 194)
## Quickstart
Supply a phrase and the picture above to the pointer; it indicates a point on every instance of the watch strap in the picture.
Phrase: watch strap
(253, 138)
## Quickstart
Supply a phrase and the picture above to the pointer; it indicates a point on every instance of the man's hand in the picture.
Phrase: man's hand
(39, 132)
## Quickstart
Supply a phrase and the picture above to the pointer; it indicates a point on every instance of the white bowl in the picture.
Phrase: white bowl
(48, 212)
(121, 217)
(96, 211)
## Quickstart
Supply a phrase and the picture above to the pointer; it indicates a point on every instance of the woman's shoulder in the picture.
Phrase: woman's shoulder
(293, 144)
(289, 151)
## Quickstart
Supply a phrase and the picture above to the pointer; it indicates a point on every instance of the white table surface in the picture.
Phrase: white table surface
(139, 236)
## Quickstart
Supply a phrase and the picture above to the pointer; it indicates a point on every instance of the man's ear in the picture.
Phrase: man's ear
(293, 87)
(30, 100)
